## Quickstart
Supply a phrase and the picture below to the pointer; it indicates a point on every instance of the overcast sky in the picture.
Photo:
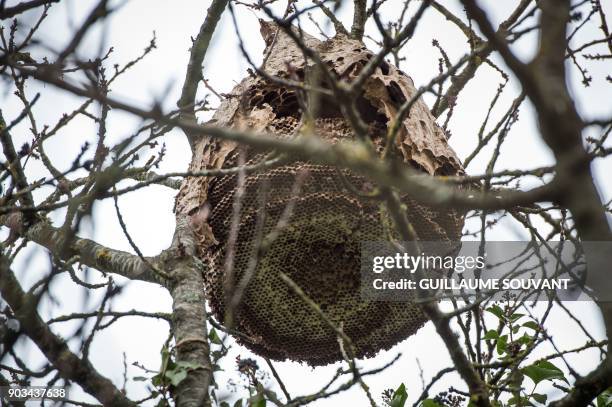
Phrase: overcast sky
(148, 212)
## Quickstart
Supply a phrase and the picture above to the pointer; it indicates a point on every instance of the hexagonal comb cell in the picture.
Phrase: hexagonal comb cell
(320, 251)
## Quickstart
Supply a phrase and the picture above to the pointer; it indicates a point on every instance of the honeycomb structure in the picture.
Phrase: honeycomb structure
(320, 247)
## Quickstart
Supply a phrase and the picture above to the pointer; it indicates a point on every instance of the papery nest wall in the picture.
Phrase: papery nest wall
(320, 248)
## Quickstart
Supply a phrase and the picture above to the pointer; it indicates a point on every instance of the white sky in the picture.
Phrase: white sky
(148, 212)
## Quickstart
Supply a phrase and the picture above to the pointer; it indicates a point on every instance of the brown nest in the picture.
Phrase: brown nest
(320, 248)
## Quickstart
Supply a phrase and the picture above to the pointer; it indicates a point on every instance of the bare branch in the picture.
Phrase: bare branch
(359, 19)
(8, 12)
(194, 69)
(97, 13)
(338, 26)
(89, 252)
(587, 388)
(189, 318)
(423, 188)
(69, 365)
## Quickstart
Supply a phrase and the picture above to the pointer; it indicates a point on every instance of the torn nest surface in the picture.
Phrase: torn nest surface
(319, 249)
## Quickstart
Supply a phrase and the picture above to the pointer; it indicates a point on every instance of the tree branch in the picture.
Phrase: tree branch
(97, 13)
(69, 365)
(425, 189)
(460, 80)
(194, 69)
(561, 127)
(14, 165)
(359, 19)
(189, 318)
(8, 12)
(90, 253)
(478, 391)
(498, 42)
(588, 387)
(338, 26)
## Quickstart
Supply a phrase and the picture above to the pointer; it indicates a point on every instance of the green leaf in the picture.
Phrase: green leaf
(430, 403)
(521, 401)
(540, 398)
(525, 339)
(497, 311)
(543, 370)
(214, 338)
(257, 401)
(176, 376)
(165, 358)
(399, 397)
(502, 344)
(516, 316)
(238, 403)
(532, 324)
(491, 335)
(175, 373)
(140, 378)
(224, 404)
(605, 398)
(157, 380)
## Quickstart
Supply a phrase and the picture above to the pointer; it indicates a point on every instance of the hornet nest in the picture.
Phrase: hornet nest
(319, 249)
